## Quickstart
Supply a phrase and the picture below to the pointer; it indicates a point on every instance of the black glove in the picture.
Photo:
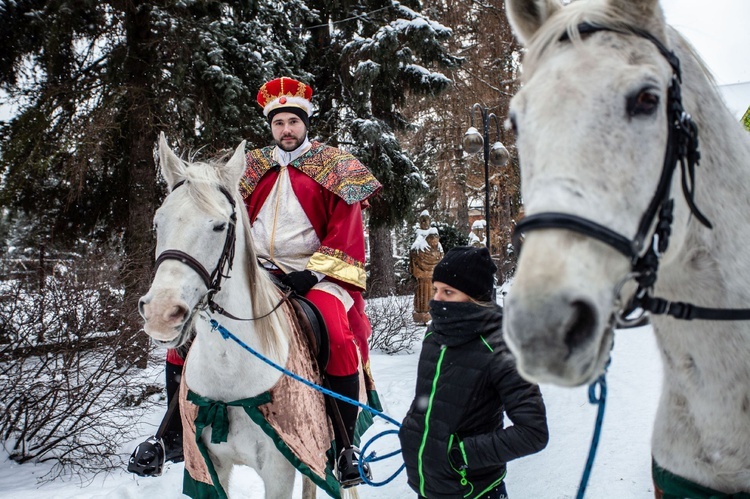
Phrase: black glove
(300, 281)
(456, 454)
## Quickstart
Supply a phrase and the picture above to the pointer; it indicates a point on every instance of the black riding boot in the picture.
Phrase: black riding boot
(173, 434)
(149, 457)
(347, 462)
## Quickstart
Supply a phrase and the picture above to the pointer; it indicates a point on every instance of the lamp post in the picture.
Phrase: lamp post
(497, 155)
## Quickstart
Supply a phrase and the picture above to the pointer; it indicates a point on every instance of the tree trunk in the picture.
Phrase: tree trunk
(382, 280)
(139, 134)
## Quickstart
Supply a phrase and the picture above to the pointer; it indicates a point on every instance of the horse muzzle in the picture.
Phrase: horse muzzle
(557, 339)
(165, 316)
(557, 314)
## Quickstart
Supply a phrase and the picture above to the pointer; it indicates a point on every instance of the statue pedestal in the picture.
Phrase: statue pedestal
(421, 317)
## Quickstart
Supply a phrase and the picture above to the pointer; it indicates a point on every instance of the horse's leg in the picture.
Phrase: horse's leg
(278, 477)
(350, 493)
(223, 469)
(309, 489)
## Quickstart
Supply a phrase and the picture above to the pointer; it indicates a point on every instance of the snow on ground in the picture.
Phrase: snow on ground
(621, 468)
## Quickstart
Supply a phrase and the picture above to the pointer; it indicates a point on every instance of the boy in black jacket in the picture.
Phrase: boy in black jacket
(453, 440)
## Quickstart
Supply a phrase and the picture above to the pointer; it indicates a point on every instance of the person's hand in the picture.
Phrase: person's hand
(456, 455)
(300, 281)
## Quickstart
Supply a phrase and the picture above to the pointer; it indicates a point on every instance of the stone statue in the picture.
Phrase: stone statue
(424, 254)
(478, 236)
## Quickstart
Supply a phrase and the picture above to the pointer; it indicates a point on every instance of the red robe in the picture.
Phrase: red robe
(331, 186)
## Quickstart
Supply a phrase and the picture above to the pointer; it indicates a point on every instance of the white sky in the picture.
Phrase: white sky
(719, 31)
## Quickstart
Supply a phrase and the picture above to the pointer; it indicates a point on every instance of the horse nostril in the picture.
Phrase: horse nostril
(142, 307)
(581, 325)
(178, 313)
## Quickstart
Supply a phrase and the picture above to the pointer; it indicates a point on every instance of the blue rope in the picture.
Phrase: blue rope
(599, 400)
(226, 334)
(373, 458)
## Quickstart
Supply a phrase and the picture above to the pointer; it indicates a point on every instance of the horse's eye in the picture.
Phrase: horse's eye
(220, 227)
(644, 103)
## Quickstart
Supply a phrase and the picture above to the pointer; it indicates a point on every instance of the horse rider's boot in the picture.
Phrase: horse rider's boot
(149, 457)
(347, 463)
(172, 437)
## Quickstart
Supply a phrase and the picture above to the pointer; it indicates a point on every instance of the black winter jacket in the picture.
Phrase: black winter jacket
(466, 378)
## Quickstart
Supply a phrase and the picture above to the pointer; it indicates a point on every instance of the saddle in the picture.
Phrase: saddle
(309, 320)
(313, 327)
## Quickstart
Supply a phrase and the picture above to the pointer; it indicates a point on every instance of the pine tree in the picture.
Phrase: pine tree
(369, 58)
(96, 82)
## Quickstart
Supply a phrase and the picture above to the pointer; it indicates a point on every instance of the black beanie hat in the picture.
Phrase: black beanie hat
(469, 269)
(301, 114)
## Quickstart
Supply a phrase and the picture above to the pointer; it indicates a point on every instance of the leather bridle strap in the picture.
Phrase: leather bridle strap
(187, 260)
(553, 220)
(688, 311)
(213, 280)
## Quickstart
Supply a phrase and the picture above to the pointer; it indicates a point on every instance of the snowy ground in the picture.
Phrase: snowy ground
(621, 469)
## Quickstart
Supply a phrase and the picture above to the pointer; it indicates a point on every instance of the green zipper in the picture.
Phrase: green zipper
(493, 484)
(427, 421)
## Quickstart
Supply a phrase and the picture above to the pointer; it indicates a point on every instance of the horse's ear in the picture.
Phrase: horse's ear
(235, 167)
(172, 167)
(644, 13)
(526, 16)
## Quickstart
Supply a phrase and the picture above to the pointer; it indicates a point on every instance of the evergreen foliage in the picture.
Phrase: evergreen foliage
(64, 63)
(489, 76)
(451, 236)
(379, 55)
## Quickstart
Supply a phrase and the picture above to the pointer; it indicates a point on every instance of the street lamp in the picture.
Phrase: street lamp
(497, 155)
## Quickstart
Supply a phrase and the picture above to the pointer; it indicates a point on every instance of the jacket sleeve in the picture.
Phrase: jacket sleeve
(341, 253)
(524, 407)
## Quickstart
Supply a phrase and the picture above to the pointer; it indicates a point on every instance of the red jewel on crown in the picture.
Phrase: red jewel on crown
(282, 100)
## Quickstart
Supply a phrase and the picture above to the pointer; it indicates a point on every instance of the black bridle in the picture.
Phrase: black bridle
(223, 267)
(682, 149)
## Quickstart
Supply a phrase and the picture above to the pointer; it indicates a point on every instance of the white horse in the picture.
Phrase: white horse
(592, 129)
(195, 230)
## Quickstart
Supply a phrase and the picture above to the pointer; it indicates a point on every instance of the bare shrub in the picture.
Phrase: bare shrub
(66, 395)
(393, 329)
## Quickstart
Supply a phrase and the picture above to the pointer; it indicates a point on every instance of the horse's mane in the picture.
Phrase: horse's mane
(203, 181)
(566, 21)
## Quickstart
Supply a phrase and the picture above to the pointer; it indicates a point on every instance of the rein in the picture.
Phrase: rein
(682, 150)
(213, 280)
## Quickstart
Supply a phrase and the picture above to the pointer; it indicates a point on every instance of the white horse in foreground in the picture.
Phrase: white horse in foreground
(196, 235)
(593, 120)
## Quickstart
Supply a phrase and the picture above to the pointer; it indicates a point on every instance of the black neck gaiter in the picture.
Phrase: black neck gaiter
(455, 323)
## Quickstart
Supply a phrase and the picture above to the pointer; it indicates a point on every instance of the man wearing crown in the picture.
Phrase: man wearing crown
(305, 202)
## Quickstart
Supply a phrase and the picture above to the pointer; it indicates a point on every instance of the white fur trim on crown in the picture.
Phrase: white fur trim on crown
(299, 102)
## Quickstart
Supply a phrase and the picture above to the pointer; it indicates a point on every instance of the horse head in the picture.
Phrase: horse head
(592, 123)
(195, 237)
